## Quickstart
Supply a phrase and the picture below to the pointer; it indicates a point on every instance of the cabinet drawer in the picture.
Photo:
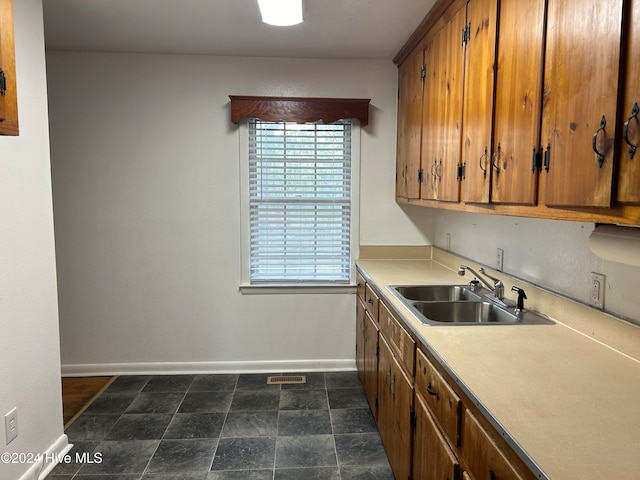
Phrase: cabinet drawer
(360, 286)
(484, 457)
(371, 301)
(400, 341)
(440, 398)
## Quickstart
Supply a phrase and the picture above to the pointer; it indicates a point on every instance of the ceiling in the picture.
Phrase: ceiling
(331, 28)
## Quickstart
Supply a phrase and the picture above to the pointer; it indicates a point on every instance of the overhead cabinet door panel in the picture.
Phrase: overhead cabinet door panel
(581, 81)
(629, 183)
(409, 126)
(443, 112)
(482, 16)
(518, 102)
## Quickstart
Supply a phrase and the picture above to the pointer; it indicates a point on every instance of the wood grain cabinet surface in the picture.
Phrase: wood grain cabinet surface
(395, 407)
(629, 143)
(367, 351)
(433, 458)
(541, 118)
(8, 84)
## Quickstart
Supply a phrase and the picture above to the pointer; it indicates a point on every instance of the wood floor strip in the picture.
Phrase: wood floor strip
(78, 393)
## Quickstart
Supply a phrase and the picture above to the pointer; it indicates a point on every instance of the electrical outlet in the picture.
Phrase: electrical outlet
(499, 259)
(11, 425)
(448, 242)
(596, 296)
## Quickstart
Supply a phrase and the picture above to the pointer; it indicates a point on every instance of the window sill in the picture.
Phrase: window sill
(246, 289)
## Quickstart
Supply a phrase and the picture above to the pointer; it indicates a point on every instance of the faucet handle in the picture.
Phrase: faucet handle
(521, 297)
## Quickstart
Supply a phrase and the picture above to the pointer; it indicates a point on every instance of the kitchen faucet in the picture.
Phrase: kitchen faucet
(497, 288)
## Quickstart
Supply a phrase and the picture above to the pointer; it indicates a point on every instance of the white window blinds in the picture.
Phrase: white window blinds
(299, 202)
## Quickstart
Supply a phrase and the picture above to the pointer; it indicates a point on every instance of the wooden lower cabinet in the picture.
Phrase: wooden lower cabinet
(432, 457)
(484, 457)
(367, 355)
(428, 426)
(395, 406)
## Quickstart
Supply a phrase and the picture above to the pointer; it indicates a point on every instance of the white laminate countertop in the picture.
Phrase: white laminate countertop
(570, 402)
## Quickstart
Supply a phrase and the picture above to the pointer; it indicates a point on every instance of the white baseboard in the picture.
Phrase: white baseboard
(49, 459)
(160, 368)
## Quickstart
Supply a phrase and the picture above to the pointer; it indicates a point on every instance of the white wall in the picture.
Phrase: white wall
(145, 165)
(29, 356)
(551, 253)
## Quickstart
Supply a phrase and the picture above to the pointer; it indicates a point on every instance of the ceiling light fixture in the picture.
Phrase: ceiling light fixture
(281, 13)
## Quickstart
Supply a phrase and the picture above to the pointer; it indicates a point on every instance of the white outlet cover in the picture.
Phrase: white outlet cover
(11, 425)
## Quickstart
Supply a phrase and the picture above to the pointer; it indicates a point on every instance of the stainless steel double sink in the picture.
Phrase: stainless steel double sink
(462, 305)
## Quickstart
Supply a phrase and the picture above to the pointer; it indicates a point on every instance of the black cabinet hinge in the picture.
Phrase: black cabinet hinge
(462, 171)
(3, 83)
(412, 417)
(536, 160)
(423, 72)
(420, 175)
(466, 34)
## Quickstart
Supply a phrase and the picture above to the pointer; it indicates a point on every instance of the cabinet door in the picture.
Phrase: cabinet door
(629, 176)
(370, 363)
(484, 457)
(409, 125)
(480, 57)
(360, 339)
(442, 113)
(395, 402)
(518, 101)
(579, 117)
(9, 98)
(433, 459)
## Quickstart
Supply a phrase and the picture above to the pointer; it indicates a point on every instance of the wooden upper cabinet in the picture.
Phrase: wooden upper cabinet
(442, 112)
(480, 56)
(581, 84)
(8, 95)
(518, 102)
(629, 177)
(409, 125)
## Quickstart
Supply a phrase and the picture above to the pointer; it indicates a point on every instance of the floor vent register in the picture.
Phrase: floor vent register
(286, 380)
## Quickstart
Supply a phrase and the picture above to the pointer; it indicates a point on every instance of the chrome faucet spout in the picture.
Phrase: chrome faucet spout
(462, 270)
(498, 286)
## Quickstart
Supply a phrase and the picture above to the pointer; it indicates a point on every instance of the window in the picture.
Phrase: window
(300, 202)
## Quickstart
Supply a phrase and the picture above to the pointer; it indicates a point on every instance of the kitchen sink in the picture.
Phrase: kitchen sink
(464, 312)
(462, 305)
(436, 293)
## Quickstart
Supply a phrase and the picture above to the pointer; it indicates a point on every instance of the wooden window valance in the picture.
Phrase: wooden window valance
(300, 109)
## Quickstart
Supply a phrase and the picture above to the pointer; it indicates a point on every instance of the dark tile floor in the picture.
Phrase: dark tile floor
(227, 427)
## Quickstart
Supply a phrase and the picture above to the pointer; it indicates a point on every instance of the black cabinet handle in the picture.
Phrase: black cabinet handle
(547, 157)
(484, 167)
(492, 475)
(625, 131)
(495, 155)
(432, 392)
(594, 141)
